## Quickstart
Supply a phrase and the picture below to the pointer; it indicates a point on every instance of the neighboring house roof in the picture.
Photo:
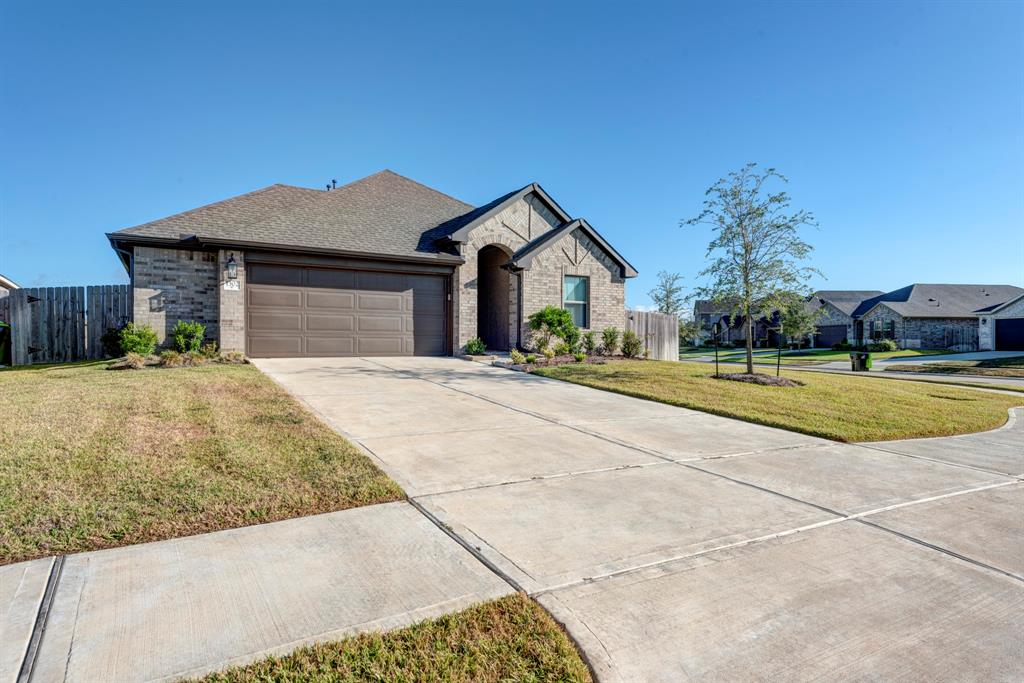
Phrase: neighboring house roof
(846, 300)
(943, 300)
(706, 306)
(999, 307)
(523, 258)
(7, 283)
(384, 215)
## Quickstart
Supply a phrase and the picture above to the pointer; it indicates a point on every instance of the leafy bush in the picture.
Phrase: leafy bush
(884, 345)
(579, 357)
(140, 339)
(589, 343)
(610, 340)
(208, 350)
(552, 321)
(631, 344)
(111, 341)
(171, 359)
(548, 352)
(842, 346)
(562, 349)
(475, 346)
(188, 336)
(531, 358)
(517, 356)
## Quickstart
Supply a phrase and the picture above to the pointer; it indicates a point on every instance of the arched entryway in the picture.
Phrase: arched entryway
(493, 287)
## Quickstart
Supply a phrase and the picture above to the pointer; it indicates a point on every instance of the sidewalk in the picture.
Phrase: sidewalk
(188, 606)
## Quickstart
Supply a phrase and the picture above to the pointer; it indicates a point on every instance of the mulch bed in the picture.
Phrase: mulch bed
(563, 360)
(758, 378)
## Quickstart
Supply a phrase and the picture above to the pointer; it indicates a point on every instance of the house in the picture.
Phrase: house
(6, 285)
(944, 316)
(839, 307)
(382, 266)
(732, 324)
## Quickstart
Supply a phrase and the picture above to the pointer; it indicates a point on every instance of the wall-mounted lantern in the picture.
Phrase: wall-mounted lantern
(232, 268)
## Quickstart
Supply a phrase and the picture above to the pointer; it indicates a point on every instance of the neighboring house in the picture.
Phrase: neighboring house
(382, 266)
(942, 316)
(838, 310)
(1001, 327)
(733, 325)
(6, 285)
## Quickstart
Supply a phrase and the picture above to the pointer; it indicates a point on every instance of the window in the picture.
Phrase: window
(576, 298)
(883, 329)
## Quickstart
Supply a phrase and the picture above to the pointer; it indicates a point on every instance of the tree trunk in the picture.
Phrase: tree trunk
(750, 344)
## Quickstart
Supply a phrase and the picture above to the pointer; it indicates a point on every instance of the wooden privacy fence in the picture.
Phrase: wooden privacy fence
(658, 331)
(63, 324)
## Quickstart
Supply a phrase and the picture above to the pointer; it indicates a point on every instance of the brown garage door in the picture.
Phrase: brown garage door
(302, 311)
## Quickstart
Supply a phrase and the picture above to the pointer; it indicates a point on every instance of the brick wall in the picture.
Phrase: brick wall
(833, 316)
(170, 285)
(926, 333)
(231, 311)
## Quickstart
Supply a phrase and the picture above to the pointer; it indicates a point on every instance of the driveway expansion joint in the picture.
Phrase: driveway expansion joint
(42, 614)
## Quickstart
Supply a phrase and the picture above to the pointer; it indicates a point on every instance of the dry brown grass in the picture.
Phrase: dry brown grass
(512, 639)
(94, 459)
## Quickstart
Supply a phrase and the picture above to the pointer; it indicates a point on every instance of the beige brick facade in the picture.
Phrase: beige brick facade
(231, 312)
(169, 285)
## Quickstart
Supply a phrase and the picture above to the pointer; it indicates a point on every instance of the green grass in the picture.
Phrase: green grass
(695, 351)
(92, 458)
(819, 356)
(1010, 366)
(832, 406)
(511, 639)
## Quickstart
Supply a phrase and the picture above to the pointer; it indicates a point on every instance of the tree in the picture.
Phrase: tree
(757, 247)
(667, 295)
(796, 320)
(688, 330)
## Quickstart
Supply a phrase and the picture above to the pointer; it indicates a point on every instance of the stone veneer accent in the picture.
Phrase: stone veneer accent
(231, 312)
(169, 285)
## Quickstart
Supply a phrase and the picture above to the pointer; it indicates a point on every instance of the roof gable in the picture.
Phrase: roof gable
(457, 231)
(523, 258)
(923, 300)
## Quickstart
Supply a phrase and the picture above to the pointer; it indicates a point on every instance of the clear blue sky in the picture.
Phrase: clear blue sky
(901, 125)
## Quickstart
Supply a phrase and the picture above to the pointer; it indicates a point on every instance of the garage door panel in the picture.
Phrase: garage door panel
(330, 323)
(343, 301)
(830, 334)
(1010, 334)
(380, 346)
(330, 279)
(330, 346)
(344, 313)
(265, 274)
(260, 345)
(379, 302)
(274, 322)
(274, 296)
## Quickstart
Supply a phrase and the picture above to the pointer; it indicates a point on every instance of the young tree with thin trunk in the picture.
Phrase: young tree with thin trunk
(667, 295)
(756, 253)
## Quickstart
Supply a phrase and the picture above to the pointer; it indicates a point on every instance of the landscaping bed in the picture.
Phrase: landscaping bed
(94, 459)
(511, 639)
(833, 406)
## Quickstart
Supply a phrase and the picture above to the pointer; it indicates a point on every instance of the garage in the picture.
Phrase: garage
(294, 311)
(1009, 334)
(829, 335)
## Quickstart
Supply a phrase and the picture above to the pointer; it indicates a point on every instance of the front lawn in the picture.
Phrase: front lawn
(511, 639)
(1010, 366)
(92, 458)
(839, 407)
(819, 356)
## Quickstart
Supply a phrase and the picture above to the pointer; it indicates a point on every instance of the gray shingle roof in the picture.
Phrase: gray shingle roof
(943, 301)
(384, 214)
(846, 300)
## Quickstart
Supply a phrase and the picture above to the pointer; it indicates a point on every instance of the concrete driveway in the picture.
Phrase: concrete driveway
(674, 544)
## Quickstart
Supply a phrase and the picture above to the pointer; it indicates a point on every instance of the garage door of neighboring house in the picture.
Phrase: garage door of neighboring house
(308, 311)
(829, 335)
(1010, 334)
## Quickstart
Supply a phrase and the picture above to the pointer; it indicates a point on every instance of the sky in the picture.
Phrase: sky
(899, 125)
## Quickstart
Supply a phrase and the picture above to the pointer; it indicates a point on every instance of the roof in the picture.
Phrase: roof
(7, 283)
(846, 300)
(523, 258)
(384, 214)
(458, 230)
(706, 306)
(944, 300)
(999, 307)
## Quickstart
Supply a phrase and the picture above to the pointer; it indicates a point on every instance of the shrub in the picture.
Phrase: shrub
(884, 345)
(232, 357)
(531, 358)
(562, 349)
(208, 350)
(475, 346)
(517, 356)
(589, 343)
(140, 339)
(131, 361)
(579, 357)
(188, 336)
(610, 340)
(171, 359)
(554, 321)
(111, 341)
(548, 352)
(842, 346)
(631, 344)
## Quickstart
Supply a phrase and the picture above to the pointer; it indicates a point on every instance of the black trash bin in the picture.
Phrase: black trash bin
(860, 361)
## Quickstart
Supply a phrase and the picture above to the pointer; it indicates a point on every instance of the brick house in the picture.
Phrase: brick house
(382, 266)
